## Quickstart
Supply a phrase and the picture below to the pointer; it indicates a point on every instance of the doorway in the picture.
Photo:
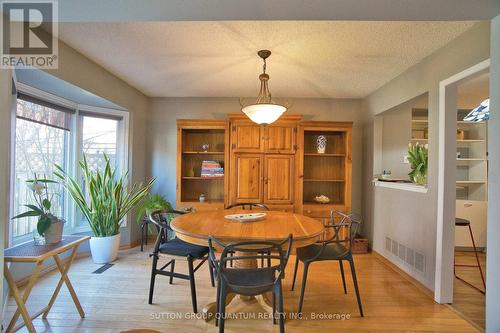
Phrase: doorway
(462, 194)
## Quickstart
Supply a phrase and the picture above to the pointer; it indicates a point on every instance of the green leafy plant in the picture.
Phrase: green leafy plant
(151, 203)
(418, 156)
(104, 199)
(42, 209)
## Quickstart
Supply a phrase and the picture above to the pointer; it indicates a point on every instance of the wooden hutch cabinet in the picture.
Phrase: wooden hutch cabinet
(277, 165)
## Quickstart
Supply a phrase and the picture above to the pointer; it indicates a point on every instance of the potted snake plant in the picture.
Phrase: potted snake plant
(104, 200)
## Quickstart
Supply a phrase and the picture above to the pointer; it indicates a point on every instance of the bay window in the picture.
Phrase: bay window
(49, 131)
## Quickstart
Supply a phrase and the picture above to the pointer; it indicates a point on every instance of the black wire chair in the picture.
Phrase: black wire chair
(250, 206)
(336, 247)
(168, 245)
(249, 281)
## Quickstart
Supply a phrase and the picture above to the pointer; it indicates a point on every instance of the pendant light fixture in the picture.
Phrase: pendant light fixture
(264, 111)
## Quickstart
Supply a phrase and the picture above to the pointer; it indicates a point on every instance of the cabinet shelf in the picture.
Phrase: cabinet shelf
(203, 178)
(203, 152)
(324, 155)
(470, 182)
(324, 180)
(331, 203)
(471, 159)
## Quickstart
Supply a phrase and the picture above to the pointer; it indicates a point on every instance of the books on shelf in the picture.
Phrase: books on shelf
(210, 169)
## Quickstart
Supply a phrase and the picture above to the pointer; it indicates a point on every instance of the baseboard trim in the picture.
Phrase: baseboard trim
(130, 246)
(405, 275)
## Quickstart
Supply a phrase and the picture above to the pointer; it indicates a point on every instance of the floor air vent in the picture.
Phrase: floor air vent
(102, 269)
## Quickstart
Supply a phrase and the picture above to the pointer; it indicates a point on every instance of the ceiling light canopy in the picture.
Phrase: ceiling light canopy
(264, 111)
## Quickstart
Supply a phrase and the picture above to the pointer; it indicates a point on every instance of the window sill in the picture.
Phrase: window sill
(402, 186)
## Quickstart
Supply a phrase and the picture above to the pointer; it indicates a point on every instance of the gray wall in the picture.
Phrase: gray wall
(162, 134)
(410, 217)
(493, 258)
(86, 74)
(5, 142)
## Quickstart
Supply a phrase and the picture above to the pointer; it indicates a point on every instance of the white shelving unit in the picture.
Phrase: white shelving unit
(472, 180)
(471, 173)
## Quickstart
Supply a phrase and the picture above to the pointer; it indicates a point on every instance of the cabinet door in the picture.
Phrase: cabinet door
(247, 178)
(246, 138)
(279, 139)
(278, 179)
(476, 213)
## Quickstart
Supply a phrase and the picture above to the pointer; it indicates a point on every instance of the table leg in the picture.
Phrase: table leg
(209, 309)
(21, 300)
(64, 269)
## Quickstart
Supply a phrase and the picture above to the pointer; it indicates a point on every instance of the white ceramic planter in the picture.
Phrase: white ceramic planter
(104, 249)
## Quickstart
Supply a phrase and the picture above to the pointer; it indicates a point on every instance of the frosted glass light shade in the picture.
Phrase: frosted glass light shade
(264, 113)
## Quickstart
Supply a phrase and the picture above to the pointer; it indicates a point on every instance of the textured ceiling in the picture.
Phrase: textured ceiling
(342, 59)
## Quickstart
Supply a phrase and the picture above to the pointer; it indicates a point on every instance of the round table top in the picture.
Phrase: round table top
(195, 228)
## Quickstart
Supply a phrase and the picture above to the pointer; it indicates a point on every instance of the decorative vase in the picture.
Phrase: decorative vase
(53, 234)
(205, 147)
(321, 144)
(104, 249)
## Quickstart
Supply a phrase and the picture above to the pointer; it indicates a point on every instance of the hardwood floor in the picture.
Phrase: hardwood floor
(116, 300)
(466, 300)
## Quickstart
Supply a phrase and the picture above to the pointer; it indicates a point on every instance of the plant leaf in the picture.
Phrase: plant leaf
(27, 214)
(43, 224)
(46, 204)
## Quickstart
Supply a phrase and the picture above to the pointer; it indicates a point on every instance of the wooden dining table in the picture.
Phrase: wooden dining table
(195, 228)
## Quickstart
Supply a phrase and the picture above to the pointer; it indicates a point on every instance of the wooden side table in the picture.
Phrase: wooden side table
(28, 252)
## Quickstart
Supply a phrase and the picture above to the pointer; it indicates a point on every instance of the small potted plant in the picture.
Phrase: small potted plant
(418, 156)
(151, 203)
(104, 200)
(49, 227)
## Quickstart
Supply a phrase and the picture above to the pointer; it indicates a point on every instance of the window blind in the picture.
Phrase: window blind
(41, 111)
(99, 115)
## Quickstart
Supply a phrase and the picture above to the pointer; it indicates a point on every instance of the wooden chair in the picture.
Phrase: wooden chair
(335, 247)
(168, 245)
(249, 281)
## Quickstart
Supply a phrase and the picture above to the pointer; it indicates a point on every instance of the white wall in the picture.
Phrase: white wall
(493, 257)
(162, 134)
(409, 217)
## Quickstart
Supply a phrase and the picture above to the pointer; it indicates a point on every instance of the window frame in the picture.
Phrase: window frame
(73, 155)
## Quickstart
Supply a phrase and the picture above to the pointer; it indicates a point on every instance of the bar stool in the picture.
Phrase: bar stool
(459, 222)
